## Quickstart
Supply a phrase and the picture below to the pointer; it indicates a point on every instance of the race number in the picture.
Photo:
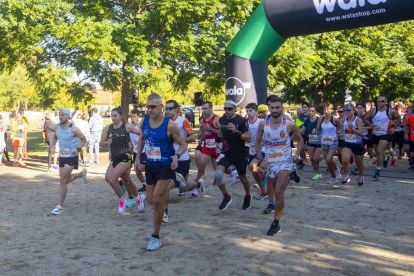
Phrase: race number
(153, 153)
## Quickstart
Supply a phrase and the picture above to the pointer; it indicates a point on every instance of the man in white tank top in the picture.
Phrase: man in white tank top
(383, 128)
(278, 158)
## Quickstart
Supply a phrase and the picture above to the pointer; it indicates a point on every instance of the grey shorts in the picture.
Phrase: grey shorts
(333, 147)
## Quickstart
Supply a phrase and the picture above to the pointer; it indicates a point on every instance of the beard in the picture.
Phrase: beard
(276, 115)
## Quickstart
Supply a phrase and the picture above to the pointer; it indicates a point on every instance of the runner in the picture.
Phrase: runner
(262, 110)
(409, 137)
(116, 135)
(18, 127)
(367, 138)
(329, 125)
(314, 142)
(341, 118)
(159, 134)
(406, 146)
(234, 132)
(352, 132)
(278, 158)
(68, 135)
(305, 135)
(383, 128)
(258, 173)
(3, 129)
(184, 161)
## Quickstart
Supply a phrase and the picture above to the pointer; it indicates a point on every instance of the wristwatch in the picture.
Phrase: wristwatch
(178, 155)
(79, 149)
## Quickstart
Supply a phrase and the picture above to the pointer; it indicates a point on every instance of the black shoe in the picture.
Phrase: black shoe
(294, 176)
(225, 203)
(121, 182)
(301, 164)
(143, 188)
(273, 229)
(270, 208)
(247, 203)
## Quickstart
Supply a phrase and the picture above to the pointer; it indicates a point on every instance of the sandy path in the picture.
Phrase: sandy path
(339, 230)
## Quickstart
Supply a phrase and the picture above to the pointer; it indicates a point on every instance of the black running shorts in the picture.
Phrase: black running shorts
(368, 143)
(153, 175)
(340, 143)
(357, 149)
(376, 139)
(411, 146)
(240, 162)
(125, 158)
(305, 140)
(199, 147)
(70, 161)
(183, 167)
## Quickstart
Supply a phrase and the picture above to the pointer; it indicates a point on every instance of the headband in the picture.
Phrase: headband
(231, 102)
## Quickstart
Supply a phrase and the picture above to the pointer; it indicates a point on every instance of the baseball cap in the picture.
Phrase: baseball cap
(65, 111)
(262, 107)
(349, 106)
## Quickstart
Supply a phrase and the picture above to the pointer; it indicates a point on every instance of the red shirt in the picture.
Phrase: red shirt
(410, 123)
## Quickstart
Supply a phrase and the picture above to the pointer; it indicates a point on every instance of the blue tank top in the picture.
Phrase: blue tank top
(158, 146)
(67, 143)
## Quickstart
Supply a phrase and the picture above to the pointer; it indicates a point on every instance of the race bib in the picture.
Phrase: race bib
(153, 153)
(327, 139)
(64, 152)
(219, 157)
(210, 143)
(313, 138)
(247, 144)
(350, 138)
(365, 131)
(379, 130)
(251, 150)
(274, 155)
(135, 142)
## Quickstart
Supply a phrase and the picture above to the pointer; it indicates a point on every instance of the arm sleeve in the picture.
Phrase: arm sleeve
(187, 127)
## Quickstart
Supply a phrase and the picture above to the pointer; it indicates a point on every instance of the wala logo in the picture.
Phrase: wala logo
(236, 89)
(330, 4)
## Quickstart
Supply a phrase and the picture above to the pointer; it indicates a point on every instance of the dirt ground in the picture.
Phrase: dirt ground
(335, 230)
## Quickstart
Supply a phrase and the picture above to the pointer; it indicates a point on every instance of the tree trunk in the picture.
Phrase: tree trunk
(317, 95)
(126, 83)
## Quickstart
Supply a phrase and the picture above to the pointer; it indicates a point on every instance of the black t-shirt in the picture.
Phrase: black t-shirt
(233, 145)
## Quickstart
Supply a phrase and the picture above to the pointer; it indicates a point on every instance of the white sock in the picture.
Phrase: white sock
(121, 199)
(60, 207)
(20, 160)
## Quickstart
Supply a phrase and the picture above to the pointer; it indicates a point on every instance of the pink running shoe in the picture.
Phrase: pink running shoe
(393, 162)
(375, 162)
(122, 206)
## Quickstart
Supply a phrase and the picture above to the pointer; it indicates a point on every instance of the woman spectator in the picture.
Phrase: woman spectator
(49, 130)
(83, 125)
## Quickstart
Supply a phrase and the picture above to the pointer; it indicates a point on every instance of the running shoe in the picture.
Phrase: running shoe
(121, 183)
(165, 218)
(317, 176)
(386, 162)
(393, 162)
(346, 180)
(301, 164)
(361, 181)
(214, 182)
(57, 210)
(306, 163)
(255, 185)
(225, 203)
(377, 175)
(154, 244)
(233, 178)
(274, 229)
(333, 181)
(355, 171)
(247, 203)
(56, 167)
(143, 189)
(262, 195)
(180, 182)
(16, 164)
(86, 164)
(375, 162)
(338, 174)
(84, 176)
(130, 203)
(351, 160)
(294, 176)
(22, 164)
(411, 162)
(270, 208)
(263, 178)
(1, 164)
(181, 194)
(140, 203)
(387, 151)
(202, 189)
(195, 193)
(122, 206)
(50, 171)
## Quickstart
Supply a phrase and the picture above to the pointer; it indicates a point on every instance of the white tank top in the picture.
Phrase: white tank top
(277, 142)
(329, 135)
(348, 135)
(382, 122)
(134, 140)
(179, 121)
(253, 133)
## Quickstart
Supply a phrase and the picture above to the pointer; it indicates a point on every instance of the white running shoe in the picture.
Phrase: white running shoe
(84, 177)
(333, 181)
(195, 193)
(233, 178)
(57, 210)
(165, 217)
(180, 182)
(122, 206)
(202, 189)
(338, 174)
(140, 202)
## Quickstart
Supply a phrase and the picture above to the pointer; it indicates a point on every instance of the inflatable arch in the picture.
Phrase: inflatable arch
(274, 21)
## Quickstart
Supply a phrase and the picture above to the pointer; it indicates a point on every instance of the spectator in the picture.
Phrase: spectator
(50, 130)
(21, 111)
(83, 126)
(75, 112)
(90, 111)
(3, 129)
(192, 118)
(5, 152)
(95, 127)
(18, 126)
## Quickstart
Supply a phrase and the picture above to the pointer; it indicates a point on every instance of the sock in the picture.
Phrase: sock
(144, 184)
(20, 160)
(121, 199)
(271, 203)
(247, 196)
(275, 222)
(360, 177)
(166, 210)
(156, 236)
(131, 197)
(226, 195)
(199, 182)
(60, 207)
(347, 176)
(378, 168)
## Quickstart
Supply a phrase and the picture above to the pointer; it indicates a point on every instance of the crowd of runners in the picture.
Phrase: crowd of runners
(259, 141)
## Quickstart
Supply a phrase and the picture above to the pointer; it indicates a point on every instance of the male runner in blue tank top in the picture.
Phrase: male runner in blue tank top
(68, 135)
(159, 132)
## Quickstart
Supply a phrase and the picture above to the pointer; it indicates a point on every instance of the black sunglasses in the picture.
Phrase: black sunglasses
(340, 111)
(152, 106)
(228, 108)
(262, 112)
(171, 108)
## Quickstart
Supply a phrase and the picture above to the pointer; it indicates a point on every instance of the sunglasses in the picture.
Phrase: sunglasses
(171, 108)
(205, 108)
(382, 101)
(152, 106)
(340, 111)
(228, 108)
(262, 112)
